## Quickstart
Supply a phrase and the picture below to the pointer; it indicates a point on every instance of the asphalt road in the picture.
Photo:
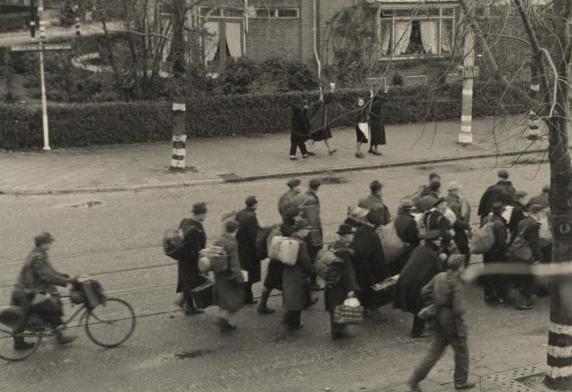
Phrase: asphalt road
(118, 242)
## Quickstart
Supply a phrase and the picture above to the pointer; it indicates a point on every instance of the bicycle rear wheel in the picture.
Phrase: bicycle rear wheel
(110, 324)
(7, 350)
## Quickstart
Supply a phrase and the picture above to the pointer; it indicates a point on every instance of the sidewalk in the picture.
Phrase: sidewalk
(210, 161)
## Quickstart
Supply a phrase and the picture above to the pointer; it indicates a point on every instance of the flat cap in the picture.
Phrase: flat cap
(520, 194)
(375, 186)
(199, 208)
(315, 183)
(293, 183)
(250, 201)
(502, 173)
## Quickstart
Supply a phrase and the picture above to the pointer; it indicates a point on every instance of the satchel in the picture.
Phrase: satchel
(483, 239)
(284, 249)
(520, 249)
(350, 312)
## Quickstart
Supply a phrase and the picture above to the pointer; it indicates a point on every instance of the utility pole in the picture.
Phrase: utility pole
(468, 71)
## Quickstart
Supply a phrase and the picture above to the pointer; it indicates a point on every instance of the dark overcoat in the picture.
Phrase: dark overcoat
(246, 236)
(310, 206)
(408, 231)
(195, 240)
(422, 266)
(502, 191)
(300, 124)
(229, 288)
(318, 115)
(368, 262)
(295, 280)
(377, 128)
(344, 277)
(498, 251)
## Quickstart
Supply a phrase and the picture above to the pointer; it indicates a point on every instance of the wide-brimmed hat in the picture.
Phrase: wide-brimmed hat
(346, 229)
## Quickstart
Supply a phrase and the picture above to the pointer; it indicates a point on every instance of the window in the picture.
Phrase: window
(232, 13)
(282, 13)
(417, 32)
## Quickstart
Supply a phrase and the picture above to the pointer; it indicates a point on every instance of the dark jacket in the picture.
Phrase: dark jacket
(529, 229)
(376, 125)
(422, 266)
(195, 240)
(375, 203)
(295, 280)
(435, 220)
(502, 191)
(498, 252)
(516, 217)
(335, 294)
(38, 275)
(310, 206)
(229, 292)
(368, 262)
(300, 124)
(406, 228)
(246, 236)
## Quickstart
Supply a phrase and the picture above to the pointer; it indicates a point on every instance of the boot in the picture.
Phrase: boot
(263, 305)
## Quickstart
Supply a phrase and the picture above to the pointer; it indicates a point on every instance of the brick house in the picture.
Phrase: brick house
(415, 39)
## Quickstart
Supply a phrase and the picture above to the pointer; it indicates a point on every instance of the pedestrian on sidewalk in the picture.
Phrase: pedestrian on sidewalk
(341, 281)
(374, 203)
(229, 284)
(290, 198)
(295, 278)
(246, 236)
(462, 226)
(496, 287)
(195, 239)
(310, 211)
(447, 293)
(368, 261)
(376, 125)
(300, 130)
(408, 231)
(503, 191)
(425, 262)
(362, 126)
(320, 128)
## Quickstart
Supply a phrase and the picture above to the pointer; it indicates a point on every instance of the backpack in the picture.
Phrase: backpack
(173, 244)
(284, 249)
(218, 259)
(325, 260)
(483, 239)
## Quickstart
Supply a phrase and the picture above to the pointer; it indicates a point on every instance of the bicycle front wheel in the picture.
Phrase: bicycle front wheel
(111, 323)
(9, 351)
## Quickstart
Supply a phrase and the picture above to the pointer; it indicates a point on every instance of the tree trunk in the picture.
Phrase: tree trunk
(178, 44)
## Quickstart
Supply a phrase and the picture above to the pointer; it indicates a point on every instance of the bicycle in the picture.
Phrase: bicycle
(108, 321)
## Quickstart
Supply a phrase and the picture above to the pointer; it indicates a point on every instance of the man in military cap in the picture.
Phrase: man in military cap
(38, 277)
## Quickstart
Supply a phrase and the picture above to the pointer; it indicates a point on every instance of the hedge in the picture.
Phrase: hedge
(73, 125)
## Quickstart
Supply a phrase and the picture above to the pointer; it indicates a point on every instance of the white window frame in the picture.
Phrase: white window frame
(274, 13)
(220, 13)
(438, 18)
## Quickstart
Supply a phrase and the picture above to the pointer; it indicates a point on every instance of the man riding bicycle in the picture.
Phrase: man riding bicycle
(36, 291)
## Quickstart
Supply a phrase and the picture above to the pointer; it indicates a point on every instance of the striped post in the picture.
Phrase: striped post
(559, 361)
(533, 132)
(179, 138)
(77, 26)
(466, 134)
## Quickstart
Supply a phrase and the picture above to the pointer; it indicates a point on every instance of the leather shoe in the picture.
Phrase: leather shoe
(466, 385)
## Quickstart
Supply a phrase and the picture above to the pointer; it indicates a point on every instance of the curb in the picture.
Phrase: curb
(216, 181)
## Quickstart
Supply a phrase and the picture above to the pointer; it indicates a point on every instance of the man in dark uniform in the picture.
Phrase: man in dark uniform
(446, 290)
(502, 191)
(195, 240)
(407, 230)
(246, 236)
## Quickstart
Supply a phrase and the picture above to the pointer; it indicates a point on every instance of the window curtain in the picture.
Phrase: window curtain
(385, 37)
(402, 37)
(211, 41)
(429, 37)
(233, 33)
(446, 35)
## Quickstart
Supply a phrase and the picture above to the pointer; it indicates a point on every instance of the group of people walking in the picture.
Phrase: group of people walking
(312, 123)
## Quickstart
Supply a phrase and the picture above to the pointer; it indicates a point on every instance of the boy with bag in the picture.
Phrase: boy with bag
(339, 277)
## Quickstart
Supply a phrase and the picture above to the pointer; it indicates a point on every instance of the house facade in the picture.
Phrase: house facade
(411, 39)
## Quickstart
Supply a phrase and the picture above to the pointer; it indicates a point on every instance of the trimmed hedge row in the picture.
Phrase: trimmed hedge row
(73, 125)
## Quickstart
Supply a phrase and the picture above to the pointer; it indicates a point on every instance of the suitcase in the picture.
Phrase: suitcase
(203, 295)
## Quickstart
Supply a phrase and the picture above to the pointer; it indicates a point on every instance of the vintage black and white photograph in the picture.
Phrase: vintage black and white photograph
(285, 195)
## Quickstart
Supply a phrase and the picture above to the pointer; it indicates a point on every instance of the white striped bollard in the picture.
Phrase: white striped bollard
(179, 138)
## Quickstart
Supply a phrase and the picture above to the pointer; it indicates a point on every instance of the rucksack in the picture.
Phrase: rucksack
(284, 249)
(325, 260)
(483, 239)
(173, 244)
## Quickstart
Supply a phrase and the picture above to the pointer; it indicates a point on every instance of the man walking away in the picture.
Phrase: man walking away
(495, 287)
(407, 230)
(290, 198)
(246, 236)
(195, 239)
(310, 206)
(503, 191)
(374, 202)
(446, 290)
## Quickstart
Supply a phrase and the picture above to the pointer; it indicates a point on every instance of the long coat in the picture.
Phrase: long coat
(408, 231)
(462, 210)
(246, 236)
(310, 206)
(368, 262)
(295, 280)
(422, 266)
(344, 279)
(229, 291)
(318, 115)
(377, 128)
(195, 240)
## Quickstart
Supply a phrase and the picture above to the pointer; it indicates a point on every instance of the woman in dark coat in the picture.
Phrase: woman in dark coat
(320, 129)
(246, 236)
(361, 118)
(300, 130)
(195, 240)
(369, 261)
(341, 280)
(296, 279)
(376, 126)
(422, 266)
(229, 284)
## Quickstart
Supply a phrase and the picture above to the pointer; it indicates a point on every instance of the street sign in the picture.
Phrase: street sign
(40, 47)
